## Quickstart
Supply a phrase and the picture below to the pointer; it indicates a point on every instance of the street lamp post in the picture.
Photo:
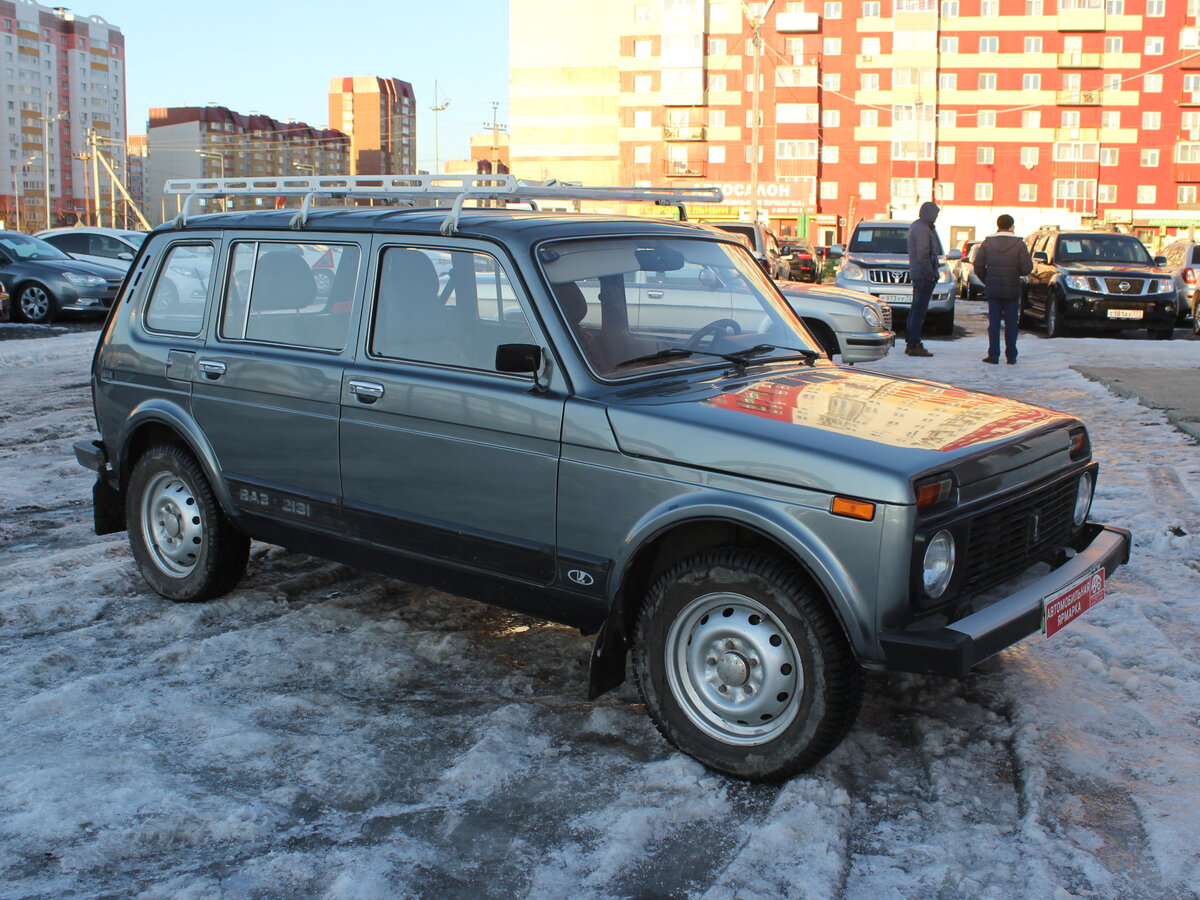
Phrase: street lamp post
(305, 167)
(219, 157)
(757, 43)
(46, 123)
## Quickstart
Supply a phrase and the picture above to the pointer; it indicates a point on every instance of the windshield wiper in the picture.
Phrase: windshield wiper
(809, 356)
(740, 359)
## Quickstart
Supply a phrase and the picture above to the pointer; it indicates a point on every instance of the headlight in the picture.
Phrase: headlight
(944, 276)
(853, 271)
(938, 565)
(84, 280)
(1078, 283)
(1083, 498)
(872, 316)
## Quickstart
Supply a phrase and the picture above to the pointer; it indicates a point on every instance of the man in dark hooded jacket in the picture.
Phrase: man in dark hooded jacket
(1000, 262)
(924, 261)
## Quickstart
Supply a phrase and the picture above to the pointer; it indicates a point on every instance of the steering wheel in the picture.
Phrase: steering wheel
(719, 328)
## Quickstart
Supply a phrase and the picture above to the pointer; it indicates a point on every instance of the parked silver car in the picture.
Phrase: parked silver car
(876, 263)
(616, 423)
(850, 324)
(1183, 262)
(115, 247)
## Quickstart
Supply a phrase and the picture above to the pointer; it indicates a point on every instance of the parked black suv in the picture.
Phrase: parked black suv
(1099, 280)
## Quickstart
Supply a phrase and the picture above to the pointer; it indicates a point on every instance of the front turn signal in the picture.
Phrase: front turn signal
(852, 509)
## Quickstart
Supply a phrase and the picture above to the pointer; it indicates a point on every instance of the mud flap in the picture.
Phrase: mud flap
(108, 508)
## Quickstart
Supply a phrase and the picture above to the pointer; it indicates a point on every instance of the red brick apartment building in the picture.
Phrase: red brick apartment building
(1058, 111)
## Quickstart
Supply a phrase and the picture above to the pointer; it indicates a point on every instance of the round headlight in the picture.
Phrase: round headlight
(872, 316)
(938, 565)
(1083, 498)
(853, 271)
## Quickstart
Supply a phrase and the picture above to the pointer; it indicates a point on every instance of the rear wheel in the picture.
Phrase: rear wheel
(185, 546)
(742, 667)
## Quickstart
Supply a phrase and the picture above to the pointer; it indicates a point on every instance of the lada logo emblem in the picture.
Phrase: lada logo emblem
(1124, 286)
(581, 577)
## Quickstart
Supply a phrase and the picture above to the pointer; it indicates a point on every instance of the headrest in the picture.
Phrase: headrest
(411, 273)
(571, 301)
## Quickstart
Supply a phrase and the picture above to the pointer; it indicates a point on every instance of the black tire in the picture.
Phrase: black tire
(183, 543)
(36, 304)
(743, 667)
(1055, 326)
(944, 325)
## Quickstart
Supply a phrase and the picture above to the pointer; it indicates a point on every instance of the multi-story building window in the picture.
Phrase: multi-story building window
(1147, 193)
(1031, 81)
(831, 81)
(1031, 118)
(1149, 158)
(829, 154)
(1187, 152)
(949, 9)
(1156, 7)
(793, 46)
(1112, 82)
(948, 81)
(946, 154)
(987, 81)
(868, 81)
(987, 118)
(832, 46)
(831, 118)
(904, 188)
(1033, 7)
(1107, 193)
(983, 191)
(641, 118)
(1027, 193)
(868, 118)
(1074, 189)
(641, 154)
(829, 190)
(1186, 195)
(870, 10)
(943, 191)
(833, 10)
(868, 156)
(1113, 44)
(1151, 120)
(947, 118)
(985, 155)
(716, 46)
(795, 149)
(642, 84)
(866, 190)
(1110, 119)
(989, 44)
(795, 76)
(1033, 44)
(1114, 7)
(948, 45)
(717, 82)
(716, 118)
(1076, 151)
(1110, 156)
(1154, 46)
(989, 8)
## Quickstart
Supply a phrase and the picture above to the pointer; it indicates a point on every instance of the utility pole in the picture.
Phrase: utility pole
(756, 23)
(46, 123)
(496, 127)
(437, 159)
(96, 174)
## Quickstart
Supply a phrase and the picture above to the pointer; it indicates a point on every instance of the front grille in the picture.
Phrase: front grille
(889, 276)
(1004, 542)
(1123, 285)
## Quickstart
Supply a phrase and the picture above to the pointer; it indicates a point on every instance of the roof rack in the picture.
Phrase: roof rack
(456, 189)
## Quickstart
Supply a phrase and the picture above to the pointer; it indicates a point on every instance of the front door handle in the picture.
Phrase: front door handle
(366, 391)
(213, 368)
(654, 295)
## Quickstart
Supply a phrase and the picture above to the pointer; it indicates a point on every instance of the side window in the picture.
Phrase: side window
(1195, 255)
(453, 307)
(176, 304)
(68, 242)
(103, 245)
(290, 293)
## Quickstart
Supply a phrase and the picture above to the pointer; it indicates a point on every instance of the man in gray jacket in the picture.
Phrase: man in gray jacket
(924, 262)
(1000, 263)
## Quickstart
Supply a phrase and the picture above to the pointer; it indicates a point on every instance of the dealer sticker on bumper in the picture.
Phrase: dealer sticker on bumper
(1063, 607)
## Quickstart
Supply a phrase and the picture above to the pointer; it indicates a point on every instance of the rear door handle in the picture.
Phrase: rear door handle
(213, 368)
(366, 391)
(654, 295)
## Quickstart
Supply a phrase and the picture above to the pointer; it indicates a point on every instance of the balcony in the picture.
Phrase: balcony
(1081, 19)
(1079, 61)
(684, 133)
(692, 168)
(1078, 98)
(797, 23)
(1186, 172)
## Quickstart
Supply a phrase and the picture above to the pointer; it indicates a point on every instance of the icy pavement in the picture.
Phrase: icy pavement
(322, 732)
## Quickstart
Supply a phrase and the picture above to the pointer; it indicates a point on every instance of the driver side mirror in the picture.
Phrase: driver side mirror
(1160, 260)
(518, 358)
(125, 256)
(954, 254)
(836, 251)
(1040, 256)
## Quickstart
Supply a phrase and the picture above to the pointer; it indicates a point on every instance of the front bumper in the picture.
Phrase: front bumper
(865, 346)
(899, 296)
(1092, 310)
(955, 649)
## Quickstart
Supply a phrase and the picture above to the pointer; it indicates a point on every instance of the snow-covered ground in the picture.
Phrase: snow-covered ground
(322, 732)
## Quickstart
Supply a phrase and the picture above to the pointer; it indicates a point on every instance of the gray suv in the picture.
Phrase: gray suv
(876, 262)
(613, 423)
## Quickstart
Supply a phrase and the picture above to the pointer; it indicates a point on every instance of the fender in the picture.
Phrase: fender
(174, 417)
(774, 520)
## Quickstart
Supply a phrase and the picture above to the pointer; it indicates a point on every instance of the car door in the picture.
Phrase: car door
(1037, 288)
(266, 386)
(442, 455)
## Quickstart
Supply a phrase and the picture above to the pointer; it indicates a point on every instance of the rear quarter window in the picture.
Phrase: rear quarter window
(177, 298)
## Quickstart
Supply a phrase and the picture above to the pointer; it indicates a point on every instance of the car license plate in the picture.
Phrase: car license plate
(1125, 313)
(1064, 607)
(896, 298)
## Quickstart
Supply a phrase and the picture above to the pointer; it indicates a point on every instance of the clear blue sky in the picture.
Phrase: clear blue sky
(276, 58)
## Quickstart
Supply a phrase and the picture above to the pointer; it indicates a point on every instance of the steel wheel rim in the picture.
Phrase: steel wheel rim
(733, 669)
(172, 524)
(34, 303)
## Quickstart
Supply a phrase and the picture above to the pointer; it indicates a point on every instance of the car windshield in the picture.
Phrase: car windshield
(637, 304)
(876, 239)
(1101, 248)
(21, 247)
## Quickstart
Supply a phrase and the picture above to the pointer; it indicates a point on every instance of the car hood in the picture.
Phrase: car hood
(832, 429)
(1138, 270)
(825, 293)
(878, 259)
(77, 266)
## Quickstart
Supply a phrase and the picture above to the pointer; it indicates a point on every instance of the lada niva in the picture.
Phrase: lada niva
(612, 422)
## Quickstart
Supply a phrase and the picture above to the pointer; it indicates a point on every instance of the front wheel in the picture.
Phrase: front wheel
(1055, 326)
(742, 667)
(183, 543)
(37, 305)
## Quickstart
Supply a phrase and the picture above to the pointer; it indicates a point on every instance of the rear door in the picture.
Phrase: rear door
(442, 455)
(266, 386)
